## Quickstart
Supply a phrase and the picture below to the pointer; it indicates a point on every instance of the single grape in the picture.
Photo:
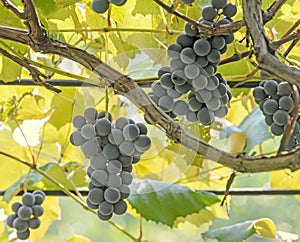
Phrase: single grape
(194, 105)
(270, 106)
(191, 116)
(269, 120)
(106, 208)
(37, 211)
(187, 55)
(20, 225)
(127, 148)
(78, 121)
(142, 143)
(99, 178)
(224, 49)
(121, 122)
(184, 40)
(284, 89)
(280, 117)
(229, 10)
(174, 51)
(116, 137)
(100, 6)
(131, 131)
(125, 191)
(209, 13)
(178, 77)
(205, 116)
(126, 177)
(209, 70)
(259, 93)
(214, 104)
(104, 217)
(213, 83)
(10, 219)
(114, 180)
(158, 90)
(205, 95)
(77, 139)
(163, 70)
(112, 195)
(90, 113)
(277, 129)
(181, 107)
(143, 128)
(126, 160)
(183, 88)
(28, 199)
(270, 87)
(221, 112)
(23, 235)
(202, 47)
(173, 93)
(200, 82)
(221, 91)
(166, 81)
(120, 207)
(229, 38)
(191, 30)
(222, 21)
(201, 61)
(88, 131)
(90, 149)
(91, 205)
(166, 103)
(15, 206)
(224, 99)
(103, 127)
(114, 166)
(25, 212)
(96, 196)
(98, 162)
(218, 42)
(214, 56)
(34, 223)
(111, 152)
(218, 4)
(176, 64)
(286, 103)
(192, 71)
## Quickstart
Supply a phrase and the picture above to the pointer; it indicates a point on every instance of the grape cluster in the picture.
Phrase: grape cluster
(112, 150)
(192, 70)
(101, 6)
(276, 102)
(26, 214)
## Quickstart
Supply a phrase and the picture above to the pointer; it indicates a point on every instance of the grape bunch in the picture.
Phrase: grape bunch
(101, 6)
(112, 150)
(26, 214)
(192, 70)
(276, 102)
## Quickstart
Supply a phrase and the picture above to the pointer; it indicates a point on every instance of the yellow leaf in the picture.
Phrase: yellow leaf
(51, 213)
(265, 227)
(237, 142)
(78, 238)
(2, 228)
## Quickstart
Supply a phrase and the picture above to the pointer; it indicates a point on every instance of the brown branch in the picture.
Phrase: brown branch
(272, 10)
(294, 26)
(262, 49)
(32, 21)
(8, 4)
(293, 36)
(35, 73)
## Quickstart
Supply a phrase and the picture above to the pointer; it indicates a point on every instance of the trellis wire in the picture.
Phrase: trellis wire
(232, 192)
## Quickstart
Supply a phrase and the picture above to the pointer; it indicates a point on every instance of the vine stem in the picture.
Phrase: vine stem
(66, 191)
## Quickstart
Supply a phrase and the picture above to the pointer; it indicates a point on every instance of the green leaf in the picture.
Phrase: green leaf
(164, 202)
(78, 238)
(9, 70)
(145, 8)
(242, 231)
(46, 7)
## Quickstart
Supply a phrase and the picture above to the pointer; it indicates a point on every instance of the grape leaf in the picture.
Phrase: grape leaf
(145, 8)
(164, 202)
(241, 231)
(78, 238)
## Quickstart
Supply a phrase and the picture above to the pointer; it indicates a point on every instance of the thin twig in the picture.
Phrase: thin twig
(8, 4)
(35, 73)
(291, 29)
(228, 185)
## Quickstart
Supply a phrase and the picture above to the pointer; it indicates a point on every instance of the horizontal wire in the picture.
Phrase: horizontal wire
(77, 83)
(232, 192)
